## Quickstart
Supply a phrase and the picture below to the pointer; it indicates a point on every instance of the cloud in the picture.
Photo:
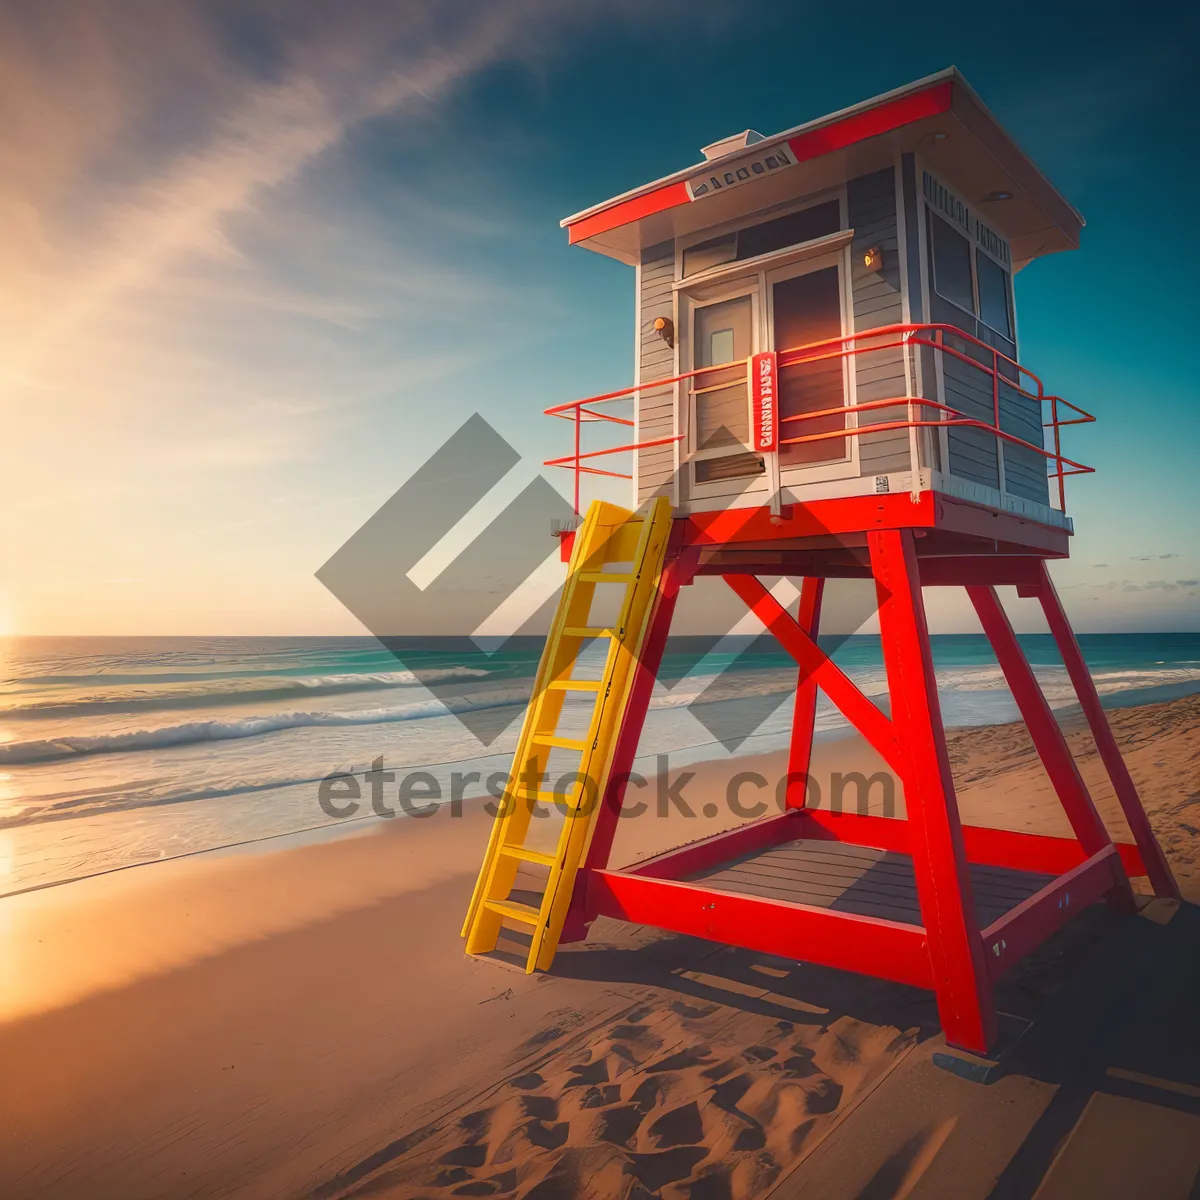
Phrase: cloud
(89, 110)
(1152, 557)
(191, 274)
(210, 290)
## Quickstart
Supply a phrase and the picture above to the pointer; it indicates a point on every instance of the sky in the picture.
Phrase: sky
(262, 258)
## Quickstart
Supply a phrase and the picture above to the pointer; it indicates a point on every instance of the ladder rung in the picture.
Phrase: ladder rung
(606, 577)
(545, 739)
(576, 685)
(532, 856)
(588, 632)
(551, 798)
(515, 910)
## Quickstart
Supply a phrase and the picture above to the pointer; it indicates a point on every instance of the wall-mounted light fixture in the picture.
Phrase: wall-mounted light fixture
(992, 197)
(665, 329)
(872, 259)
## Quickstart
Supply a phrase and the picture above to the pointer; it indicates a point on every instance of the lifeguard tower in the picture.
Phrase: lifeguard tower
(827, 385)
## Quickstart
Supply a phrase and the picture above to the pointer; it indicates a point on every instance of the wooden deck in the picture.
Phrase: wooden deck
(860, 880)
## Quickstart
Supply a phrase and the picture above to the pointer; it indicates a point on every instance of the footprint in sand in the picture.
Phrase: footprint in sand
(679, 1127)
(676, 1100)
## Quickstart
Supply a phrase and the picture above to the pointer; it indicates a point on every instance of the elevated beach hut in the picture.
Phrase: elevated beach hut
(828, 383)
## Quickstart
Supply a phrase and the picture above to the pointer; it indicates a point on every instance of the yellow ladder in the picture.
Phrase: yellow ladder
(609, 535)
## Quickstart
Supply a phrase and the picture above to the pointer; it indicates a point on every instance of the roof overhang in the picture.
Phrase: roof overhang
(975, 156)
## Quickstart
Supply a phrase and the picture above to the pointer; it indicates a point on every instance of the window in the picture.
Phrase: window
(776, 234)
(951, 253)
(970, 274)
(720, 346)
(802, 226)
(711, 253)
(995, 289)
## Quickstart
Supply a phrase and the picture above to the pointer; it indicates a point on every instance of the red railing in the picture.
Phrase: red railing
(1004, 372)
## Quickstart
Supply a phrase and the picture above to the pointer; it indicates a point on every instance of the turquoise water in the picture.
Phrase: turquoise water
(118, 751)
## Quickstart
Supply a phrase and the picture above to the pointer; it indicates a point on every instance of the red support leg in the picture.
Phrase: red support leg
(1157, 867)
(1047, 737)
(805, 713)
(580, 915)
(960, 978)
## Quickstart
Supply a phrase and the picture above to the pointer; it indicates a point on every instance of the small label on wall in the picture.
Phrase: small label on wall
(881, 483)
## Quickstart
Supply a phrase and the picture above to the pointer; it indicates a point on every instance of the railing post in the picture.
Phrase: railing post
(1001, 477)
(938, 360)
(916, 437)
(996, 387)
(578, 418)
(1058, 462)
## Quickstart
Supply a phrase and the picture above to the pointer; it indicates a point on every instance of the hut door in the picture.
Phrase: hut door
(807, 308)
(722, 334)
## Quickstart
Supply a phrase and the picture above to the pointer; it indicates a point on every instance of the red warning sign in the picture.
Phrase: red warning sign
(764, 402)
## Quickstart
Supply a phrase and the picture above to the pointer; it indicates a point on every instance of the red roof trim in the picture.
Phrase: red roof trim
(882, 119)
(873, 122)
(628, 211)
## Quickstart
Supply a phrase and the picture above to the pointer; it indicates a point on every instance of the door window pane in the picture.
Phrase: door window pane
(951, 253)
(720, 346)
(994, 288)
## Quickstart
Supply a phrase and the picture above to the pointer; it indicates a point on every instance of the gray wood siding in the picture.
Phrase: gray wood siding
(1024, 470)
(969, 390)
(877, 301)
(656, 360)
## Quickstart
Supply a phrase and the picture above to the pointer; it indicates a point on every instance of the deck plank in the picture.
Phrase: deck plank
(859, 879)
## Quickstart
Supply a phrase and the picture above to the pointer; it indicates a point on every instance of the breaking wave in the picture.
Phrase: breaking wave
(255, 691)
(50, 749)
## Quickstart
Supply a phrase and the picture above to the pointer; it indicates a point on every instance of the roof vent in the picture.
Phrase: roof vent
(732, 144)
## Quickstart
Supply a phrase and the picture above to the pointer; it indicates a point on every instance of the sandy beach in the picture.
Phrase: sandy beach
(304, 1022)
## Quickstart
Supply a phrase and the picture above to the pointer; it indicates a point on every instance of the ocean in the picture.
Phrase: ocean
(116, 752)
